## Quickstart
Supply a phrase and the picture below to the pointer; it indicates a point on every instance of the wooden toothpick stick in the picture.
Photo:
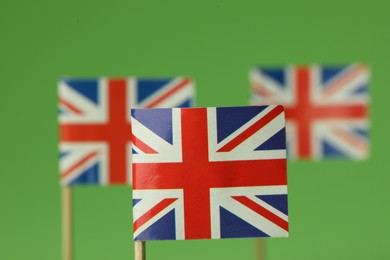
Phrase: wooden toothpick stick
(67, 250)
(140, 250)
(260, 249)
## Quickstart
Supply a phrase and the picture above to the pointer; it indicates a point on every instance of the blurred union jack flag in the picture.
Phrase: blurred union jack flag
(201, 173)
(94, 116)
(326, 108)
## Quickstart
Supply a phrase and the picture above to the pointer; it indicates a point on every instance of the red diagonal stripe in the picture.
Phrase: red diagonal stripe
(251, 130)
(153, 212)
(262, 211)
(70, 106)
(340, 82)
(80, 162)
(351, 139)
(142, 146)
(170, 92)
(261, 90)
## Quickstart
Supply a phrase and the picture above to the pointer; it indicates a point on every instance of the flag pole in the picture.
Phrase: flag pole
(260, 249)
(67, 250)
(140, 250)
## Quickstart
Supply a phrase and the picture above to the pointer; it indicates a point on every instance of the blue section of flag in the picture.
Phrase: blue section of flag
(277, 75)
(361, 90)
(329, 72)
(135, 201)
(90, 176)
(229, 119)
(234, 227)
(87, 87)
(162, 229)
(147, 87)
(362, 132)
(187, 103)
(157, 120)
(279, 201)
(276, 142)
(62, 111)
(63, 154)
(332, 151)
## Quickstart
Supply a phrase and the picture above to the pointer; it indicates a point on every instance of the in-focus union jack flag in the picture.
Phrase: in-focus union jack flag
(95, 132)
(326, 108)
(201, 173)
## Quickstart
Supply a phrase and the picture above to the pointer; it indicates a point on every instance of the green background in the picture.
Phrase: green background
(337, 209)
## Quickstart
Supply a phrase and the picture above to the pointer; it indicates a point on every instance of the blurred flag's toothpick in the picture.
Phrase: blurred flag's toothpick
(67, 223)
(260, 249)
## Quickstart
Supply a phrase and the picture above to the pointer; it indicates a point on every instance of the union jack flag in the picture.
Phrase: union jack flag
(326, 108)
(95, 132)
(201, 173)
